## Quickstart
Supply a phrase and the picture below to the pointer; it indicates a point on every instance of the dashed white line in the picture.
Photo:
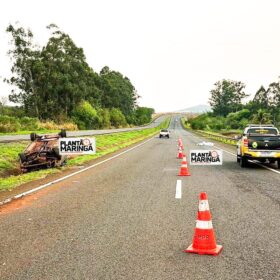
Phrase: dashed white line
(178, 194)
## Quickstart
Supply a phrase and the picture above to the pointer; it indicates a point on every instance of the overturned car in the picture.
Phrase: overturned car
(43, 152)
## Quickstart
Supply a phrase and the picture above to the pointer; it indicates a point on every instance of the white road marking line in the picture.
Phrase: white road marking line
(266, 167)
(230, 153)
(72, 174)
(257, 163)
(178, 189)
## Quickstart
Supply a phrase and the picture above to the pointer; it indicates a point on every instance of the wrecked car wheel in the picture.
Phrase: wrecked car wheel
(22, 157)
(33, 136)
(62, 133)
(56, 152)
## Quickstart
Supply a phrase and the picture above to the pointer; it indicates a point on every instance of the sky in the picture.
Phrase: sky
(172, 51)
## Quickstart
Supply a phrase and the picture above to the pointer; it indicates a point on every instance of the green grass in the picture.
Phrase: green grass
(105, 144)
(9, 156)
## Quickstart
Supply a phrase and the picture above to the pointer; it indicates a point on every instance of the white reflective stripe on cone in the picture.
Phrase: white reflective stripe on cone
(203, 205)
(184, 165)
(204, 224)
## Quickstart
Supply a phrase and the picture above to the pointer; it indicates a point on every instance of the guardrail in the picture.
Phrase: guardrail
(218, 137)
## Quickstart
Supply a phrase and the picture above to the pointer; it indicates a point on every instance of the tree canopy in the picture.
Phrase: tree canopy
(227, 97)
(55, 81)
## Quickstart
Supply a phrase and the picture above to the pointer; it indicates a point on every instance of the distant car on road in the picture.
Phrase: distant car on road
(259, 142)
(164, 133)
(42, 152)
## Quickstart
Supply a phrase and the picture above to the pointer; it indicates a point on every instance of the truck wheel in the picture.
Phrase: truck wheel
(243, 162)
(33, 136)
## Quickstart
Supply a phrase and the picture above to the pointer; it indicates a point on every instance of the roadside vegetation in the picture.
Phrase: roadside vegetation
(11, 176)
(230, 115)
(54, 85)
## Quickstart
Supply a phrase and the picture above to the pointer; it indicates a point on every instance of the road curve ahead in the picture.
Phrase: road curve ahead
(121, 220)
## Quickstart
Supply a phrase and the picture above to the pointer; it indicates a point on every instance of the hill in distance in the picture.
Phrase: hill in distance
(196, 109)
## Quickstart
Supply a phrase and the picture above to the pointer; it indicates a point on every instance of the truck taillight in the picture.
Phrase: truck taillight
(245, 142)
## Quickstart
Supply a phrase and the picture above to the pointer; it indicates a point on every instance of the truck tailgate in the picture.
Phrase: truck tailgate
(263, 142)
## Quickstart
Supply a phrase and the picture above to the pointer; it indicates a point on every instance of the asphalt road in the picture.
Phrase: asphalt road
(155, 123)
(121, 220)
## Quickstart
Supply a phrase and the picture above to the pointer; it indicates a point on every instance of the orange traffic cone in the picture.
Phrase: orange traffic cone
(184, 170)
(204, 241)
(180, 153)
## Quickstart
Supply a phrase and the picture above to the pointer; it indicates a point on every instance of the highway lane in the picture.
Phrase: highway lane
(155, 123)
(121, 220)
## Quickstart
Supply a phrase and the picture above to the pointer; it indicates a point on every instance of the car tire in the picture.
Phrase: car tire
(63, 161)
(278, 163)
(33, 136)
(237, 159)
(62, 133)
(56, 152)
(22, 157)
(168, 136)
(160, 136)
(243, 162)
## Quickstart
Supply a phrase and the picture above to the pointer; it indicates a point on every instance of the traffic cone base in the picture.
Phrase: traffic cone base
(204, 241)
(184, 171)
(214, 252)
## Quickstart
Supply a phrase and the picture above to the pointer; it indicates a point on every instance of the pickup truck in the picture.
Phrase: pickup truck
(259, 142)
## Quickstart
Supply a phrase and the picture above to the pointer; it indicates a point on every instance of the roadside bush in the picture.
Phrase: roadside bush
(50, 125)
(104, 118)
(207, 122)
(237, 119)
(68, 126)
(27, 123)
(85, 116)
(9, 124)
(117, 118)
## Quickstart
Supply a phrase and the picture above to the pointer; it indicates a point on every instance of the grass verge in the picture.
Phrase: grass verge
(105, 144)
(211, 135)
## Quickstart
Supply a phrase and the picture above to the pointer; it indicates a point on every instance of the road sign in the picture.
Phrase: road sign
(206, 157)
(77, 146)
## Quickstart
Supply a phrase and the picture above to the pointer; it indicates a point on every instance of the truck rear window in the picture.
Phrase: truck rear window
(258, 130)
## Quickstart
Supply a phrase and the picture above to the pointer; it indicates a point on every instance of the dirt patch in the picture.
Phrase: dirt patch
(10, 172)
